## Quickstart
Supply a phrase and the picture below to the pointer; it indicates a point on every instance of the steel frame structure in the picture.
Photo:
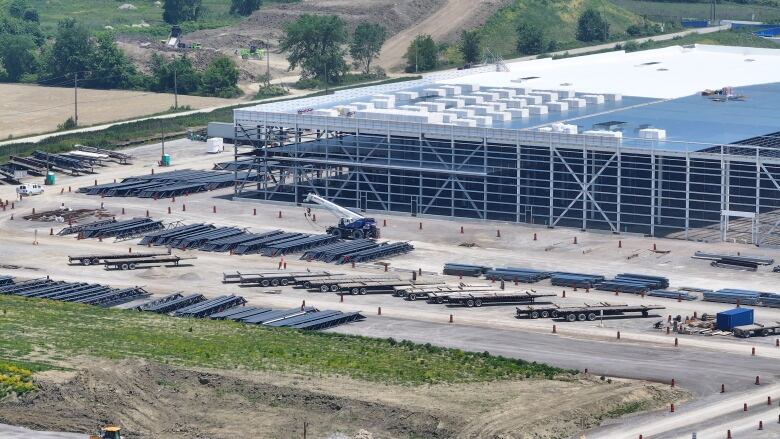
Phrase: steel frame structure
(677, 189)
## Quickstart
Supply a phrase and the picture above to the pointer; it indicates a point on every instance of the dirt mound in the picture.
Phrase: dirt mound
(151, 401)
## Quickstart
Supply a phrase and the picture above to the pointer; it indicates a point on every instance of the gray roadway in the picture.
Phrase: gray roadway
(618, 359)
(697, 370)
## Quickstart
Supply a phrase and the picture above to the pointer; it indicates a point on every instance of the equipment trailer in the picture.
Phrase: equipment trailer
(132, 264)
(757, 329)
(478, 299)
(382, 286)
(97, 259)
(270, 279)
(583, 313)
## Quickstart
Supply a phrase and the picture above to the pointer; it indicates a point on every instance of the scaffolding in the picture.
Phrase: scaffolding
(681, 190)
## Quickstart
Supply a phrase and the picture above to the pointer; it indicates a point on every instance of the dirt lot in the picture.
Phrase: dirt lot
(152, 400)
(31, 109)
(437, 243)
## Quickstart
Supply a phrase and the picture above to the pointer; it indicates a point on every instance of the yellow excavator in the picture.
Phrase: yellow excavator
(108, 432)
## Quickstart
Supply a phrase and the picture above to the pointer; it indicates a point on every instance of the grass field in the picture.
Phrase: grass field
(17, 376)
(96, 14)
(557, 17)
(62, 330)
(676, 11)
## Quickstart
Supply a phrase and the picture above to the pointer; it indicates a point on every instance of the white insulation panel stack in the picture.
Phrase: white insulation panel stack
(452, 102)
(487, 96)
(518, 113)
(465, 122)
(537, 109)
(530, 99)
(432, 106)
(514, 103)
(363, 105)
(557, 107)
(473, 100)
(594, 99)
(460, 113)
(575, 102)
(547, 96)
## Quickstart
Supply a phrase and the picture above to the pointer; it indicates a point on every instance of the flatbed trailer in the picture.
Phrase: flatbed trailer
(332, 284)
(757, 329)
(97, 259)
(423, 292)
(270, 279)
(132, 264)
(477, 299)
(386, 286)
(583, 313)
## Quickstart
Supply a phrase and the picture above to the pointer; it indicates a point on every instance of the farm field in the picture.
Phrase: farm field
(32, 109)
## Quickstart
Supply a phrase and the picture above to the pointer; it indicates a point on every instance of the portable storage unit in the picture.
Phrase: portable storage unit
(727, 320)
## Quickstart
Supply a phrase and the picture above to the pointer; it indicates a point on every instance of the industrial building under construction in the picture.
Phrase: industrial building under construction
(679, 142)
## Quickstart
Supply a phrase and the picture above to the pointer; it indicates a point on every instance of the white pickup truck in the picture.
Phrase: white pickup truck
(29, 189)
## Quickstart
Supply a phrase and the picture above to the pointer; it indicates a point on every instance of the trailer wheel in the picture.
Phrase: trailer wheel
(324, 288)
(132, 266)
(412, 296)
(478, 302)
(355, 291)
(284, 282)
(582, 317)
(440, 300)
(334, 288)
(307, 285)
(554, 314)
(124, 266)
(86, 261)
(592, 316)
(534, 315)
(765, 332)
(363, 291)
(545, 314)
(470, 303)
(265, 282)
(95, 261)
(571, 317)
(275, 283)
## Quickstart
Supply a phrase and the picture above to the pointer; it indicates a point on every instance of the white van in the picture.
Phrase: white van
(29, 189)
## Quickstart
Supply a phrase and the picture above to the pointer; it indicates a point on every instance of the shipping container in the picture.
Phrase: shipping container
(727, 320)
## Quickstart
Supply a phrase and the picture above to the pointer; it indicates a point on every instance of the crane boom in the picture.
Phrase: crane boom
(337, 210)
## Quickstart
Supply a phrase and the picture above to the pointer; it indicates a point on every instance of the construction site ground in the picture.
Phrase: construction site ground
(699, 364)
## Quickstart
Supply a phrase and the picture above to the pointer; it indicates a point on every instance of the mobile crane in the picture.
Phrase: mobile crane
(351, 225)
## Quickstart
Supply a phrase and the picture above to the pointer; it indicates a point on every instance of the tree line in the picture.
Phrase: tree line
(95, 61)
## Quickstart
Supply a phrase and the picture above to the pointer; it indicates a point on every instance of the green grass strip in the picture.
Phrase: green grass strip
(62, 329)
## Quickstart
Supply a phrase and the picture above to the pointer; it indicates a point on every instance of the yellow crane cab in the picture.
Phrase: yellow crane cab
(108, 432)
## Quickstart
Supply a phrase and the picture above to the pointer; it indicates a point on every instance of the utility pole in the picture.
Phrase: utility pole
(162, 137)
(268, 62)
(76, 98)
(175, 89)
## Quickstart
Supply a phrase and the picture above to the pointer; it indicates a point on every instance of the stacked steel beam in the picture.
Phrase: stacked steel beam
(575, 280)
(633, 283)
(525, 275)
(116, 229)
(170, 184)
(454, 269)
(76, 292)
(209, 307)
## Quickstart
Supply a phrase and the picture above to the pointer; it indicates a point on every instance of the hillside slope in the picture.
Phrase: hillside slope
(443, 24)
(558, 18)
